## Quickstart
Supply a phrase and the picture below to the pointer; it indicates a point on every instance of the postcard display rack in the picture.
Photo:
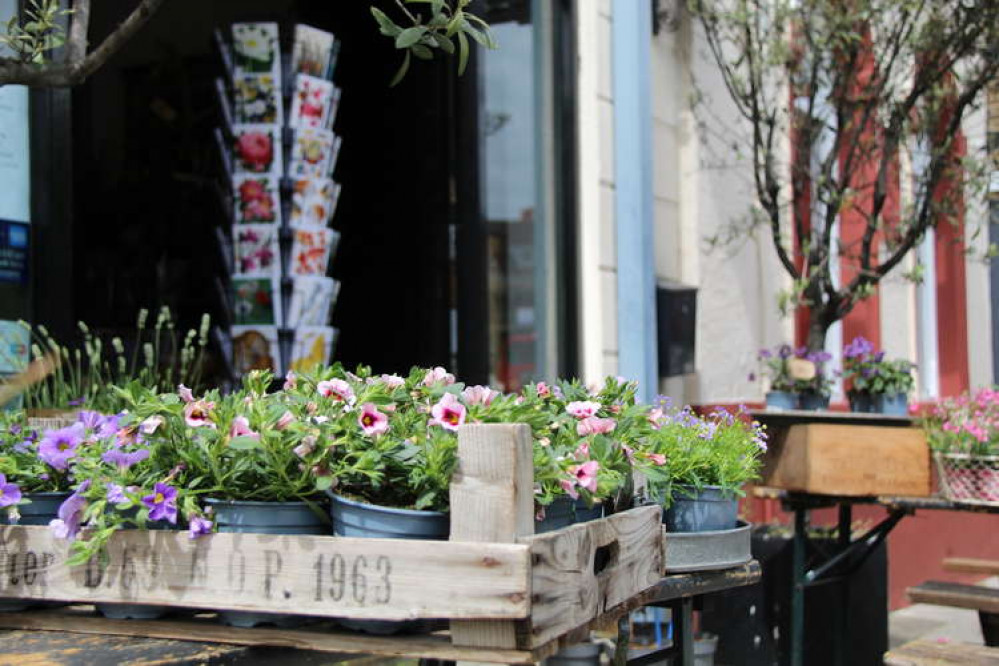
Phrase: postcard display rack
(279, 153)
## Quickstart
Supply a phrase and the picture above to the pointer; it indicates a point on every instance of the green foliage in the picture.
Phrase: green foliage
(36, 32)
(447, 28)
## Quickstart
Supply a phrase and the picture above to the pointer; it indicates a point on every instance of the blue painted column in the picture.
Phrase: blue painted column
(636, 280)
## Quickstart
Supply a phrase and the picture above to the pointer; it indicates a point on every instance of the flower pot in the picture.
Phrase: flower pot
(265, 518)
(565, 511)
(359, 519)
(892, 404)
(581, 654)
(50, 419)
(862, 403)
(968, 478)
(706, 510)
(117, 611)
(781, 400)
(705, 647)
(813, 402)
(43, 509)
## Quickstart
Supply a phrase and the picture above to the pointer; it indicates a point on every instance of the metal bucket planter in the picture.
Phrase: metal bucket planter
(565, 511)
(581, 654)
(813, 402)
(968, 478)
(266, 518)
(862, 403)
(708, 551)
(893, 404)
(43, 508)
(138, 611)
(782, 400)
(359, 519)
(701, 510)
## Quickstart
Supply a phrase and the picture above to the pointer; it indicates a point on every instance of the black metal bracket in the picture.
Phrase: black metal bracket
(864, 546)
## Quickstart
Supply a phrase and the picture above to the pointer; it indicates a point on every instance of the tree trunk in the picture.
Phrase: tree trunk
(817, 329)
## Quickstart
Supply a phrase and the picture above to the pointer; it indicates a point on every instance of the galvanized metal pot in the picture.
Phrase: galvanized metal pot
(701, 510)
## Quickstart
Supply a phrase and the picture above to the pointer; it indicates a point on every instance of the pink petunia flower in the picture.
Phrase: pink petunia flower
(586, 475)
(290, 381)
(197, 413)
(437, 375)
(241, 428)
(583, 409)
(479, 395)
(149, 426)
(337, 389)
(657, 458)
(286, 420)
(372, 421)
(594, 425)
(185, 393)
(449, 413)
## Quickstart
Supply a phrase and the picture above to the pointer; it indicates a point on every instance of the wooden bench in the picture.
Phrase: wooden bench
(929, 653)
(985, 600)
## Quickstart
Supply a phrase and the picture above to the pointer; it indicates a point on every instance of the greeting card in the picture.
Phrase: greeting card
(257, 250)
(313, 202)
(311, 152)
(311, 102)
(257, 99)
(255, 48)
(256, 199)
(256, 301)
(256, 149)
(312, 51)
(311, 301)
(312, 347)
(255, 348)
(310, 250)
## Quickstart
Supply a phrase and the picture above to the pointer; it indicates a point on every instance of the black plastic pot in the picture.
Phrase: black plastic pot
(862, 403)
(813, 402)
(565, 511)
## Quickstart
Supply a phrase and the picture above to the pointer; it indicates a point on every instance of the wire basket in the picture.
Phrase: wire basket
(968, 478)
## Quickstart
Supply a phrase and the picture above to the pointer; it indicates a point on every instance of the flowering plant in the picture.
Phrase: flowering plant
(720, 449)
(584, 440)
(870, 372)
(795, 370)
(966, 424)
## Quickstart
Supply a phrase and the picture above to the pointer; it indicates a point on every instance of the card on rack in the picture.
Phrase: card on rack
(310, 250)
(257, 300)
(257, 149)
(255, 348)
(257, 248)
(313, 202)
(312, 51)
(223, 100)
(334, 109)
(312, 347)
(257, 99)
(334, 155)
(311, 151)
(225, 52)
(256, 49)
(256, 199)
(311, 102)
(311, 301)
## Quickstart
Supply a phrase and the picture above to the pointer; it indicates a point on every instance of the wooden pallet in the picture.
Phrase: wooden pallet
(503, 589)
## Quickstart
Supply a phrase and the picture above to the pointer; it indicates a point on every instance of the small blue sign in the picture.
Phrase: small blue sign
(14, 241)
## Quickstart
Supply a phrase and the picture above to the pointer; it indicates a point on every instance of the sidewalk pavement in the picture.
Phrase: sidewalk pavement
(935, 623)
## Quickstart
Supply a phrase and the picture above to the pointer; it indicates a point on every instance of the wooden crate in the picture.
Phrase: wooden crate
(502, 587)
(848, 460)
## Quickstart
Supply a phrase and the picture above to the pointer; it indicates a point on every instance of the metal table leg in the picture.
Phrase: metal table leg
(843, 535)
(801, 517)
(683, 631)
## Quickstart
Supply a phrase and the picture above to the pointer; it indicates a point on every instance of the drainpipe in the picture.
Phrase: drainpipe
(927, 340)
(636, 279)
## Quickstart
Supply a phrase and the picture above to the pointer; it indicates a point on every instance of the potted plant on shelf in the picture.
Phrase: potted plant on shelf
(963, 433)
(705, 461)
(811, 379)
(775, 367)
(877, 384)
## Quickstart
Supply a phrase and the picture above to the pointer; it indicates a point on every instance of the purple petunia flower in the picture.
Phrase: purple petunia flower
(10, 493)
(76, 402)
(860, 347)
(199, 527)
(15, 429)
(58, 447)
(785, 351)
(124, 459)
(67, 525)
(116, 494)
(90, 420)
(162, 503)
(764, 354)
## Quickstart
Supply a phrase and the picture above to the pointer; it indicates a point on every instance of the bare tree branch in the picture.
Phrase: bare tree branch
(77, 66)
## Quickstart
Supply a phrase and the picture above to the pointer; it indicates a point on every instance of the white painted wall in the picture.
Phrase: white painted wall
(977, 271)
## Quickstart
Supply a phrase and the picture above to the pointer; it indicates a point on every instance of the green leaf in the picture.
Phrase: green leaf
(386, 25)
(422, 52)
(444, 43)
(401, 74)
(410, 36)
(244, 443)
(477, 35)
(324, 483)
(462, 53)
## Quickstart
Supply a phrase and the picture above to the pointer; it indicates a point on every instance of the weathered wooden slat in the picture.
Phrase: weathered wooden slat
(971, 565)
(585, 570)
(324, 639)
(492, 500)
(944, 593)
(385, 579)
(926, 653)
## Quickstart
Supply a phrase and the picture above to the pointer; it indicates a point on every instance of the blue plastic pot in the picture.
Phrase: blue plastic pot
(706, 510)
(359, 519)
(782, 400)
(265, 518)
(892, 404)
(565, 511)
(862, 403)
(811, 401)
